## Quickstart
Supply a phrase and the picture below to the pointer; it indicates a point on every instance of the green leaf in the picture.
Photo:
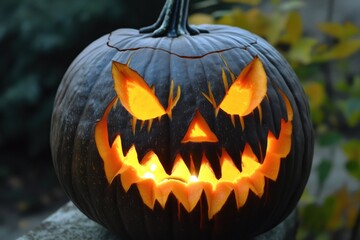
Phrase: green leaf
(339, 31)
(306, 198)
(329, 138)
(352, 89)
(352, 152)
(276, 27)
(352, 149)
(315, 90)
(275, 2)
(293, 28)
(351, 110)
(342, 50)
(317, 115)
(353, 167)
(323, 170)
(315, 216)
(301, 51)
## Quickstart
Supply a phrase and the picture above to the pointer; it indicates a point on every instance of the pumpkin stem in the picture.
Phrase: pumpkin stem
(173, 21)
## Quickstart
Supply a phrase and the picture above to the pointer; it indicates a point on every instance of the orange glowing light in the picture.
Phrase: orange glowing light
(137, 97)
(199, 131)
(155, 184)
(245, 93)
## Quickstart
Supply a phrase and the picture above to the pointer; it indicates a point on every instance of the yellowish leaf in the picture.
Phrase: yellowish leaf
(306, 198)
(252, 20)
(201, 18)
(347, 204)
(257, 22)
(316, 93)
(277, 25)
(294, 28)
(339, 31)
(228, 19)
(352, 150)
(249, 2)
(341, 50)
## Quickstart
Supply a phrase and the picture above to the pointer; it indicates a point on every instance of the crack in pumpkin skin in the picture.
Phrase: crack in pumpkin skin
(112, 45)
(154, 184)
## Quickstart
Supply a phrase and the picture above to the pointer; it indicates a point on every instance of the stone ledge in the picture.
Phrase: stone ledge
(68, 223)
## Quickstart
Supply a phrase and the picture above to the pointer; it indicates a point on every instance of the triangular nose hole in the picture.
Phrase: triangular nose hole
(199, 131)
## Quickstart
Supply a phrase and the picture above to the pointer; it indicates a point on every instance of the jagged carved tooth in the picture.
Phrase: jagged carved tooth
(218, 197)
(129, 170)
(282, 145)
(206, 173)
(286, 128)
(271, 166)
(257, 183)
(187, 194)
(163, 190)
(249, 161)
(180, 170)
(147, 191)
(113, 159)
(207, 176)
(229, 172)
(128, 177)
(241, 189)
(152, 166)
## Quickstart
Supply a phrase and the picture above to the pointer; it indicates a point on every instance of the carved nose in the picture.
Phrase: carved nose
(199, 131)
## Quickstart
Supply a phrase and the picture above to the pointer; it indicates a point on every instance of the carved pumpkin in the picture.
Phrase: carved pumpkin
(166, 135)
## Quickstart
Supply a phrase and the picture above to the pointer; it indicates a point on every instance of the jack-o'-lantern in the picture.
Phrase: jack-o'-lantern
(175, 132)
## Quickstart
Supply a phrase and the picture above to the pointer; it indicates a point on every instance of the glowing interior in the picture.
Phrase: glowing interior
(154, 184)
(136, 96)
(199, 131)
(247, 91)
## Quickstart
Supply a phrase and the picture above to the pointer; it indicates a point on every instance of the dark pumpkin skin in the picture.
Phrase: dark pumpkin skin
(192, 62)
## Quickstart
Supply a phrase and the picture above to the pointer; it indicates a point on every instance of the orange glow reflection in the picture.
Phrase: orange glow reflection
(247, 91)
(155, 184)
(199, 131)
(137, 97)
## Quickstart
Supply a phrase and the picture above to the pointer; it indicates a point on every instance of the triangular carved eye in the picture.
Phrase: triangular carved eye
(137, 97)
(247, 91)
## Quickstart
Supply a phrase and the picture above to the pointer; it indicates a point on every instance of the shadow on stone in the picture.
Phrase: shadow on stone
(68, 223)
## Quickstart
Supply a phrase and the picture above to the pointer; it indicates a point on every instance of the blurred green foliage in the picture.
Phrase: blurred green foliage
(334, 100)
(38, 41)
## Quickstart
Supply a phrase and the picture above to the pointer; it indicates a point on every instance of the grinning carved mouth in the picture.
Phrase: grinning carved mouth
(154, 184)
